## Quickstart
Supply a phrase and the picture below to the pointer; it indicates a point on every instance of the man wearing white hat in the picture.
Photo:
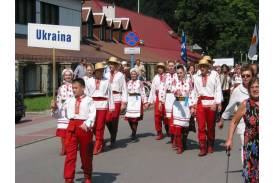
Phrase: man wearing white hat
(208, 96)
(119, 91)
(99, 88)
(157, 97)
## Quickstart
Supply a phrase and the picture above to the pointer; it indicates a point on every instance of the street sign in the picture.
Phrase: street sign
(132, 50)
(53, 36)
(131, 39)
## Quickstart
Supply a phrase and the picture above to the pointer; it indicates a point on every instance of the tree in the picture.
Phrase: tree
(222, 27)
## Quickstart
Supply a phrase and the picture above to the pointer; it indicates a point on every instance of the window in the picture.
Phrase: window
(49, 13)
(90, 29)
(24, 11)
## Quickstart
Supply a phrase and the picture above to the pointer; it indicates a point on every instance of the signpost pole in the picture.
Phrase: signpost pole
(54, 73)
(132, 60)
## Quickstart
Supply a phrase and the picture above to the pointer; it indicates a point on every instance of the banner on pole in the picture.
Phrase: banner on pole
(54, 36)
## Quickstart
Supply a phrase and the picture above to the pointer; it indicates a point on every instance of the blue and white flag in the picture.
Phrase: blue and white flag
(183, 48)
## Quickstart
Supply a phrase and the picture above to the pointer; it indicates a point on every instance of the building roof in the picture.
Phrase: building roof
(117, 24)
(98, 17)
(86, 12)
(25, 53)
(154, 32)
(125, 22)
(109, 22)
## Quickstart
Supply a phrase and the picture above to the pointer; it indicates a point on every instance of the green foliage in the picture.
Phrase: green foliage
(223, 28)
(38, 103)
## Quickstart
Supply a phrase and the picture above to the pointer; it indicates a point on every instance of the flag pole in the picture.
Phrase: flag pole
(54, 72)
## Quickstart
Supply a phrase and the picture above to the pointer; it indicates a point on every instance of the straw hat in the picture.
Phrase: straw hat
(99, 65)
(208, 58)
(161, 64)
(113, 60)
(204, 61)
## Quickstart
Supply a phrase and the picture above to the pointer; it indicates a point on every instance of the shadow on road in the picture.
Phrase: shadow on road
(24, 121)
(219, 145)
(123, 143)
(234, 171)
(100, 177)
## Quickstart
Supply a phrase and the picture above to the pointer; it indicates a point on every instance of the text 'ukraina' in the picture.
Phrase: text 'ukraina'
(43, 35)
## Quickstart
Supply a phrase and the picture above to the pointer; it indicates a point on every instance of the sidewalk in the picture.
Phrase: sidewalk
(33, 127)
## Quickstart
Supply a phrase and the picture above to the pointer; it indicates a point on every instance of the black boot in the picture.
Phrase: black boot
(167, 130)
(185, 132)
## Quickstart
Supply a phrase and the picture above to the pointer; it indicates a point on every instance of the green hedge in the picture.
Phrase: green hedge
(38, 103)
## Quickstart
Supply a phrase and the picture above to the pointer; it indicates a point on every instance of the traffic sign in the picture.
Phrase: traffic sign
(132, 50)
(131, 38)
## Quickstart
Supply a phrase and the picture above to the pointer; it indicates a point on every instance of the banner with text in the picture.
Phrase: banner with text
(53, 36)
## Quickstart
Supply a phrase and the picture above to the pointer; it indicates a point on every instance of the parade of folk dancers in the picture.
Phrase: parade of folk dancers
(184, 98)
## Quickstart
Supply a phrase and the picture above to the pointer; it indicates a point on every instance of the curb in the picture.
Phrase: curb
(38, 112)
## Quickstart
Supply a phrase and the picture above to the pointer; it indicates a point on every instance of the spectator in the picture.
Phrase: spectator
(80, 70)
(249, 111)
(139, 66)
(225, 84)
(255, 69)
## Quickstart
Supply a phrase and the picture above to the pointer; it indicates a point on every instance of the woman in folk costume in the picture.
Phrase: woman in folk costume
(181, 113)
(119, 90)
(65, 91)
(157, 97)
(136, 99)
(99, 88)
(170, 77)
(89, 72)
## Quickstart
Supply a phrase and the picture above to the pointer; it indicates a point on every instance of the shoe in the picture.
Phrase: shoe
(203, 151)
(210, 146)
(159, 136)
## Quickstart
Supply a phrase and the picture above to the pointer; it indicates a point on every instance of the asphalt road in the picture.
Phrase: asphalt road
(144, 161)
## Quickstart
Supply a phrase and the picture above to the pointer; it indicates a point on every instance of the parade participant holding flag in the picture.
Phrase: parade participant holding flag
(208, 96)
(181, 88)
(119, 91)
(81, 111)
(157, 97)
(99, 88)
(136, 100)
(65, 91)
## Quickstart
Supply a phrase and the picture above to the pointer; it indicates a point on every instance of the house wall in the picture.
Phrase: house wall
(69, 14)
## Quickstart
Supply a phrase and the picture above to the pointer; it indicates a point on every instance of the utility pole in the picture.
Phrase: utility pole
(138, 6)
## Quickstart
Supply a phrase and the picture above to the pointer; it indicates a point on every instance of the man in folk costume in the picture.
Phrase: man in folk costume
(81, 111)
(208, 96)
(136, 99)
(170, 77)
(65, 91)
(157, 96)
(181, 88)
(119, 90)
(99, 88)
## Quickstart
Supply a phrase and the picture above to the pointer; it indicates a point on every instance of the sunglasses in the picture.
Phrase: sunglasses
(246, 75)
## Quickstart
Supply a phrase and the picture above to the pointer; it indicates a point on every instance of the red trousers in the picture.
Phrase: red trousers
(205, 118)
(113, 115)
(74, 136)
(99, 125)
(159, 115)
